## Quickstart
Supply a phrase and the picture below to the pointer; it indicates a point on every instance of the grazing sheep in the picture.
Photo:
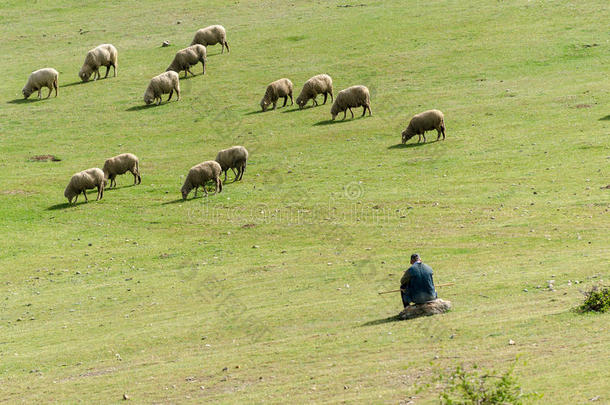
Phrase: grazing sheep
(122, 164)
(187, 57)
(212, 35)
(199, 175)
(275, 90)
(422, 122)
(82, 181)
(162, 84)
(46, 77)
(355, 96)
(233, 158)
(103, 55)
(320, 84)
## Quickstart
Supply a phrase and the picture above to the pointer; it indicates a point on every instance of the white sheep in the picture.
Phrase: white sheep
(120, 164)
(212, 35)
(187, 57)
(275, 90)
(82, 181)
(199, 175)
(352, 97)
(102, 55)
(233, 158)
(422, 122)
(166, 82)
(319, 84)
(46, 77)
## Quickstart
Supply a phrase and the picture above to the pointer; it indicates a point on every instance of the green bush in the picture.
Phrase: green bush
(464, 387)
(597, 299)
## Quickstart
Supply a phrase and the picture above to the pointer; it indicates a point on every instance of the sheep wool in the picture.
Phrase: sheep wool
(422, 122)
(355, 96)
(212, 35)
(46, 77)
(164, 83)
(120, 164)
(275, 90)
(85, 180)
(199, 175)
(319, 84)
(187, 57)
(233, 158)
(102, 55)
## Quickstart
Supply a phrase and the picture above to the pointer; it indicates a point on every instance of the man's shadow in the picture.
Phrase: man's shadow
(389, 319)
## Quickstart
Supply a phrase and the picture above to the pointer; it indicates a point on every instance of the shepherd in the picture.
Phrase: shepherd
(417, 285)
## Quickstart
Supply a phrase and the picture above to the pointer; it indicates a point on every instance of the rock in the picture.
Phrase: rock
(125, 397)
(438, 306)
(511, 342)
(165, 43)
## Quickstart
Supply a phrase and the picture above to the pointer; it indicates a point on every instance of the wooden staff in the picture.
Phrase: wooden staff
(438, 285)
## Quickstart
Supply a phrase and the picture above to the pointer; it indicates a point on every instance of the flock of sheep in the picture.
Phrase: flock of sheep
(234, 158)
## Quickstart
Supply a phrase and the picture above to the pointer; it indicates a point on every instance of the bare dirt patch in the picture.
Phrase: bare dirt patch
(44, 158)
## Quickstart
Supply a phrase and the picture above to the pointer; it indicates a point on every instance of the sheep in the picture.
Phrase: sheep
(275, 90)
(82, 181)
(46, 77)
(102, 55)
(187, 57)
(212, 35)
(422, 122)
(199, 175)
(320, 84)
(121, 164)
(355, 96)
(233, 158)
(162, 84)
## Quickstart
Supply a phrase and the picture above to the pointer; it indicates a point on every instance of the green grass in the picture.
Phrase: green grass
(147, 295)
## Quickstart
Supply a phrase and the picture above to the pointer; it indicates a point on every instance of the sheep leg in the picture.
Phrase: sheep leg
(205, 190)
(107, 71)
(177, 93)
(285, 101)
(225, 176)
(363, 111)
(196, 191)
(50, 91)
(315, 102)
(100, 192)
(274, 104)
(325, 97)
(291, 100)
(243, 169)
(203, 64)
(370, 112)
(235, 174)
(424, 135)
(171, 93)
(344, 113)
(227, 45)
(443, 130)
(331, 97)
(55, 86)
(85, 194)
(114, 69)
(135, 176)
(39, 93)
(189, 70)
(158, 102)
(75, 199)
(350, 110)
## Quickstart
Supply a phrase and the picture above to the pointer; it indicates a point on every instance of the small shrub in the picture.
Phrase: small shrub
(597, 299)
(463, 387)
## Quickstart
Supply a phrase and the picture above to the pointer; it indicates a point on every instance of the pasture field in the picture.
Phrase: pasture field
(267, 292)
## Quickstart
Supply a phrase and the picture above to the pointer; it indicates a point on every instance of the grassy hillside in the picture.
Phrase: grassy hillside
(269, 289)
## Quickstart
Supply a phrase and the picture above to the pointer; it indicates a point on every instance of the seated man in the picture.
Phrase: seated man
(416, 284)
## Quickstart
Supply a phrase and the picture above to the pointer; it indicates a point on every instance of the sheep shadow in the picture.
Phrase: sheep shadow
(179, 200)
(24, 100)
(389, 319)
(65, 205)
(73, 84)
(254, 112)
(329, 122)
(409, 145)
(606, 118)
(118, 188)
(144, 107)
